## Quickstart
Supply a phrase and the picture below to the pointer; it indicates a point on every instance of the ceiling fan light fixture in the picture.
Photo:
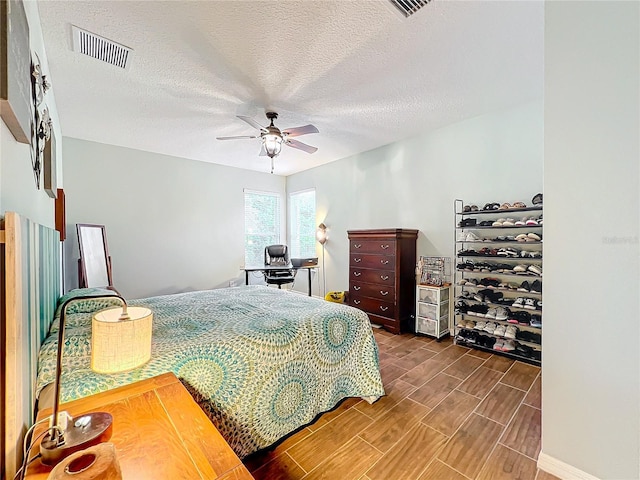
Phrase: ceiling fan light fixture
(272, 144)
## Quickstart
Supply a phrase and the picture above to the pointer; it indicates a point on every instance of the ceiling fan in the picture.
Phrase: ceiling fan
(272, 137)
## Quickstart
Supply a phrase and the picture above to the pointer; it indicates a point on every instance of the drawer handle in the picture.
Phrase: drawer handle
(384, 309)
(356, 302)
(384, 277)
(384, 262)
(384, 247)
(357, 260)
(357, 274)
(356, 287)
(384, 293)
(357, 245)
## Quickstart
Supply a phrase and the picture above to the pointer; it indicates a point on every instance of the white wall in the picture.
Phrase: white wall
(18, 191)
(590, 370)
(413, 183)
(172, 224)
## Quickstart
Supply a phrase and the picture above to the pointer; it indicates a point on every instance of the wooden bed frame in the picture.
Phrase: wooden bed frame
(31, 264)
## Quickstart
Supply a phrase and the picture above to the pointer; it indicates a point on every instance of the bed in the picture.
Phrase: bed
(261, 362)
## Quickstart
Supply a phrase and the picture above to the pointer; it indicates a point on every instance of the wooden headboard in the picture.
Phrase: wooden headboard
(31, 262)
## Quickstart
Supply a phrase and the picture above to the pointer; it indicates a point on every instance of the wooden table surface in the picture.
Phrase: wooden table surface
(159, 432)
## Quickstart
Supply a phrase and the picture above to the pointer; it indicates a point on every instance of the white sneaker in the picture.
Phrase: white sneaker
(472, 237)
(501, 314)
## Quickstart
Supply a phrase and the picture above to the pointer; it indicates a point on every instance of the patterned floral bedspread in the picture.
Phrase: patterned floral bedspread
(261, 362)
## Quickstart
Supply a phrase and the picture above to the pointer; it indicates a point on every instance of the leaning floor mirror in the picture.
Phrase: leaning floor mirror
(94, 265)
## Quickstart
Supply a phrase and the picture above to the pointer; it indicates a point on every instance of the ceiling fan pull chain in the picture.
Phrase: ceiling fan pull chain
(271, 164)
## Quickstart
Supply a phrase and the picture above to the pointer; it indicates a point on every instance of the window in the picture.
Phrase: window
(261, 225)
(302, 224)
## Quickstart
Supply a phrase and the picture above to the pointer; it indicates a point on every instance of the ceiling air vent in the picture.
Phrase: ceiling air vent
(409, 7)
(100, 48)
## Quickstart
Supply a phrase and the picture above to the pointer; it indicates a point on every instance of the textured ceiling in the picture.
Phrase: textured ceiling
(359, 71)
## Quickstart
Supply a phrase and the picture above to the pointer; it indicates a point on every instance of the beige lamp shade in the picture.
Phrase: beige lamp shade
(118, 345)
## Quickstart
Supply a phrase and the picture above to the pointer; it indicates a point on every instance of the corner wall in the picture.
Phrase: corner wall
(172, 224)
(591, 365)
(413, 183)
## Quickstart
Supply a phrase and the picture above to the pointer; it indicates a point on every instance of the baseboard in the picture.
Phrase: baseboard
(562, 470)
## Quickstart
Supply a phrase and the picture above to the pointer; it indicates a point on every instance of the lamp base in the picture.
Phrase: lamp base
(84, 431)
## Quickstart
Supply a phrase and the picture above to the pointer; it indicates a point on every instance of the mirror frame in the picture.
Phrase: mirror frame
(82, 267)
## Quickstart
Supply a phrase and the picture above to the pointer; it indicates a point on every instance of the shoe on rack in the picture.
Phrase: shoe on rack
(521, 238)
(497, 223)
(524, 350)
(533, 237)
(499, 331)
(490, 327)
(536, 286)
(530, 304)
(531, 222)
(502, 313)
(491, 314)
(509, 222)
(486, 223)
(499, 345)
(536, 321)
(535, 269)
(511, 331)
(472, 237)
(471, 282)
(521, 222)
(520, 268)
(508, 346)
(480, 325)
(537, 199)
(524, 287)
(518, 303)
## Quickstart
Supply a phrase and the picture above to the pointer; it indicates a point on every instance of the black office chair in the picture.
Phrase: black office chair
(276, 256)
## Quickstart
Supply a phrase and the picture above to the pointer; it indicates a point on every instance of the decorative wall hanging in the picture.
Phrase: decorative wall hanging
(41, 122)
(15, 92)
(49, 165)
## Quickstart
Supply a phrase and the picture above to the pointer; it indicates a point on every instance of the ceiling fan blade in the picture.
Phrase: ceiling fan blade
(263, 151)
(236, 137)
(297, 131)
(252, 122)
(301, 146)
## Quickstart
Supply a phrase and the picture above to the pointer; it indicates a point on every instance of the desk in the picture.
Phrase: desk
(278, 268)
(159, 431)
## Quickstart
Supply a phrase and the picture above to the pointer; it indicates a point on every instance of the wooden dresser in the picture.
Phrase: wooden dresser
(159, 432)
(382, 275)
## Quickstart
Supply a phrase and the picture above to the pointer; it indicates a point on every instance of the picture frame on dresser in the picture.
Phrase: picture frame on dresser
(15, 70)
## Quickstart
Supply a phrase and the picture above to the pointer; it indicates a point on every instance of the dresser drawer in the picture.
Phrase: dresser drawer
(381, 292)
(379, 262)
(372, 276)
(372, 305)
(386, 247)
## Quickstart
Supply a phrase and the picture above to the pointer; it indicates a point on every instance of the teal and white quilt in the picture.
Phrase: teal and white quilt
(261, 362)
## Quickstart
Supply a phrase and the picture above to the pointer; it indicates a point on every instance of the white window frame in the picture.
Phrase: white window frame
(290, 224)
(281, 218)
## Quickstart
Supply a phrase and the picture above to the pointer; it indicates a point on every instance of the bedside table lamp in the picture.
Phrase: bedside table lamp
(74, 434)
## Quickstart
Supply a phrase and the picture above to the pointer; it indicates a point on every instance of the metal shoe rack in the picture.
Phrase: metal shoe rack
(485, 281)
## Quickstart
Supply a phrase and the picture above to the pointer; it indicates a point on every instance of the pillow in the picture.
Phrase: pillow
(88, 305)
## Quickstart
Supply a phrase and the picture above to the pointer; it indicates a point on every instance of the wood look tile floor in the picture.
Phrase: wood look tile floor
(450, 413)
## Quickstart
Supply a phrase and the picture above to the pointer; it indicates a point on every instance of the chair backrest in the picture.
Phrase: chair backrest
(276, 255)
